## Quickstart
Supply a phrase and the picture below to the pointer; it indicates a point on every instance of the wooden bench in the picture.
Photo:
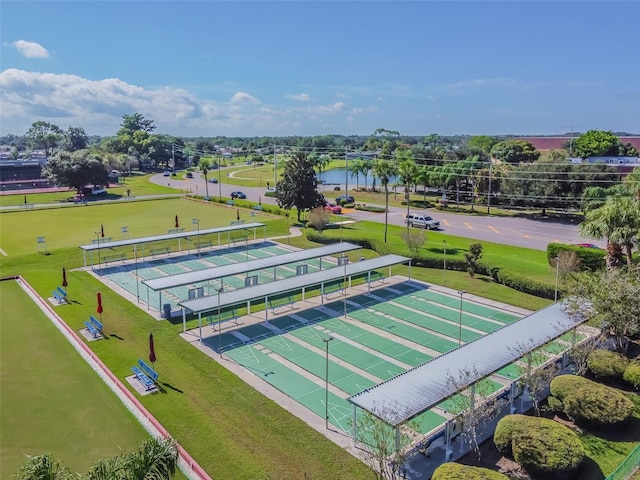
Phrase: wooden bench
(332, 287)
(96, 323)
(159, 250)
(146, 381)
(92, 330)
(281, 301)
(113, 258)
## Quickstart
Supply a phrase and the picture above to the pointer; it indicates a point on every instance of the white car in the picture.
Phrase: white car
(271, 190)
(423, 221)
(98, 191)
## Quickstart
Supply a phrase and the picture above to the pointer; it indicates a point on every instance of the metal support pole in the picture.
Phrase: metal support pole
(326, 382)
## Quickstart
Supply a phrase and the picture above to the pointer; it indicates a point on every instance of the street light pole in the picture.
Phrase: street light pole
(135, 256)
(461, 292)
(326, 382)
(444, 264)
(196, 221)
(219, 291)
(555, 296)
(98, 241)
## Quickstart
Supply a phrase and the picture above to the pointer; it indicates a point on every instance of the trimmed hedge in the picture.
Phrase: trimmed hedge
(591, 259)
(606, 364)
(456, 471)
(632, 374)
(539, 445)
(588, 402)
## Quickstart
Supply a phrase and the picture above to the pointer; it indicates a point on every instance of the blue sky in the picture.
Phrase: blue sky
(205, 68)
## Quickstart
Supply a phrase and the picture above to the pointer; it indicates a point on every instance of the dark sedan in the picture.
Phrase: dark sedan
(239, 195)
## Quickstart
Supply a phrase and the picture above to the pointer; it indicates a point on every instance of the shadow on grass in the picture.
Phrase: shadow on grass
(168, 385)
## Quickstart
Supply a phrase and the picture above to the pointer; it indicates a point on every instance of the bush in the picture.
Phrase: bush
(591, 259)
(539, 445)
(591, 403)
(606, 364)
(456, 471)
(369, 208)
(632, 374)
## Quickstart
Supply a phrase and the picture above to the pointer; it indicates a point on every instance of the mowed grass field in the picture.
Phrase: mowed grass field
(51, 400)
(233, 431)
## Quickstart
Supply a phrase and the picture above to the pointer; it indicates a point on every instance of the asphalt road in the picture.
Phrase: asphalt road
(516, 231)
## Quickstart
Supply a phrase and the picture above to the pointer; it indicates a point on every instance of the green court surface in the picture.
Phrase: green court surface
(374, 337)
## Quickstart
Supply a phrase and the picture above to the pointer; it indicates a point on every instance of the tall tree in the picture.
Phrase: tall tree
(298, 186)
(596, 143)
(384, 170)
(408, 172)
(515, 151)
(75, 138)
(483, 143)
(44, 135)
(205, 165)
(76, 169)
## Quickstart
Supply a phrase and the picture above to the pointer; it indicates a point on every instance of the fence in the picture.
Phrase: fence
(627, 467)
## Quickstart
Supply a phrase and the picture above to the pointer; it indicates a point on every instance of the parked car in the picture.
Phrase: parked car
(98, 191)
(166, 173)
(423, 221)
(586, 245)
(239, 195)
(333, 208)
(342, 199)
(189, 175)
(270, 190)
(213, 180)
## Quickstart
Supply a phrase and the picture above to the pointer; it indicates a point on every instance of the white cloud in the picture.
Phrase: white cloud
(98, 107)
(301, 97)
(241, 97)
(431, 98)
(30, 49)
(361, 111)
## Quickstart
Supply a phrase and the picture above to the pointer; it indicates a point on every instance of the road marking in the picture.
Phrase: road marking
(445, 222)
(468, 226)
(521, 234)
(493, 229)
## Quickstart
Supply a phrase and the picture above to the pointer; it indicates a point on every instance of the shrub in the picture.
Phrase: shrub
(589, 402)
(456, 471)
(632, 374)
(606, 364)
(540, 445)
(591, 259)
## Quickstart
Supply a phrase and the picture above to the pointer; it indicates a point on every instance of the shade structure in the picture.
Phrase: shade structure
(177, 224)
(102, 230)
(64, 277)
(99, 309)
(152, 350)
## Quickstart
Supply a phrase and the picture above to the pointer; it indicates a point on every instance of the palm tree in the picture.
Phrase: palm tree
(408, 171)
(617, 221)
(205, 165)
(384, 170)
(356, 168)
(41, 467)
(156, 459)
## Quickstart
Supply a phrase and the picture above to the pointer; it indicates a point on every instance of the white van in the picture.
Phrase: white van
(423, 221)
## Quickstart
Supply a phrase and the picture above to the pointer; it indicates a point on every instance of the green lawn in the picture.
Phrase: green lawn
(51, 400)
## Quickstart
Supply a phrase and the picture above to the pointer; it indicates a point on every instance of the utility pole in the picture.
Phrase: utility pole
(571, 136)
(489, 196)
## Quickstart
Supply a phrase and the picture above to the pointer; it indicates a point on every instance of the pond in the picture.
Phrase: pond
(337, 177)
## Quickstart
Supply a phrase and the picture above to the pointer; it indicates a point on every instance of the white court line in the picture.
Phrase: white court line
(4, 253)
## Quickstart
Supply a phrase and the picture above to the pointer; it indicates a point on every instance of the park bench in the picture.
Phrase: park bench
(230, 202)
(60, 295)
(332, 287)
(236, 222)
(96, 241)
(175, 230)
(59, 298)
(143, 379)
(204, 244)
(96, 323)
(92, 330)
(114, 258)
(159, 250)
(229, 314)
(148, 371)
(281, 301)
(27, 206)
(257, 207)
